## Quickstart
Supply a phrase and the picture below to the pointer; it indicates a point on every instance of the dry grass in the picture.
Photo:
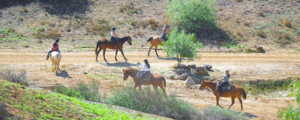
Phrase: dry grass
(239, 33)
(288, 24)
(287, 36)
(139, 33)
(247, 23)
(261, 34)
(133, 23)
(261, 13)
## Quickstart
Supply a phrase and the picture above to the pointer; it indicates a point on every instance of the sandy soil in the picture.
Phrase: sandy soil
(82, 67)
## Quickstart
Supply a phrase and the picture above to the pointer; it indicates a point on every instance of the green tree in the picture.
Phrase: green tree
(181, 45)
(193, 15)
(293, 113)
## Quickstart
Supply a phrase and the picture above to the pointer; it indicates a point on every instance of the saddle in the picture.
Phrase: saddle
(145, 78)
(111, 41)
(225, 88)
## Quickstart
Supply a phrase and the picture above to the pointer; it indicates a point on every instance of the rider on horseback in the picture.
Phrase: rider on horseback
(225, 82)
(145, 70)
(54, 48)
(114, 37)
(165, 32)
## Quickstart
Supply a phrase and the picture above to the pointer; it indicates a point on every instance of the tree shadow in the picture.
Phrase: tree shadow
(52, 6)
(251, 116)
(166, 58)
(120, 64)
(64, 74)
(213, 37)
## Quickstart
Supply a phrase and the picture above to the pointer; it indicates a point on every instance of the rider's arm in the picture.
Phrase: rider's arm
(115, 34)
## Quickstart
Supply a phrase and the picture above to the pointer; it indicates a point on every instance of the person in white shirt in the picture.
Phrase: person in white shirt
(145, 69)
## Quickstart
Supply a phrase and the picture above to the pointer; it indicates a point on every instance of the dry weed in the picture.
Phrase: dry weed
(287, 23)
(247, 23)
(287, 36)
(261, 13)
(261, 34)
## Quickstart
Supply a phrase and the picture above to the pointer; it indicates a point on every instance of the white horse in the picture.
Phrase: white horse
(55, 59)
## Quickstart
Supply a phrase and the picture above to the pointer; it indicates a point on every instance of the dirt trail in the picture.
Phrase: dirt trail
(82, 67)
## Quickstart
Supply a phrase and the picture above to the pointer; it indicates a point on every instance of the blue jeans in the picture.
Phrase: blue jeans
(116, 40)
(164, 36)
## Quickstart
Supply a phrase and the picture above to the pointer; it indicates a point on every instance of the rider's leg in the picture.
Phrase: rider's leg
(48, 54)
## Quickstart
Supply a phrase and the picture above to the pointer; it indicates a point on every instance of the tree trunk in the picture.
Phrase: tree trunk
(178, 60)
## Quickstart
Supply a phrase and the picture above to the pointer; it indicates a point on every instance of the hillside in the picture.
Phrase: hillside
(32, 24)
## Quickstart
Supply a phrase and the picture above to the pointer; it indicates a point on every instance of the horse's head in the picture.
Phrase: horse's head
(125, 75)
(129, 40)
(203, 85)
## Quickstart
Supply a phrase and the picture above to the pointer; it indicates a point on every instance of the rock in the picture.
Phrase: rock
(207, 66)
(179, 71)
(68, 30)
(171, 77)
(192, 66)
(184, 76)
(189, 81)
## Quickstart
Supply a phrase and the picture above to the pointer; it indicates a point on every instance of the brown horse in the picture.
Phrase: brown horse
(103, 44)
(235, 91)
(155, 41)
(155, 80)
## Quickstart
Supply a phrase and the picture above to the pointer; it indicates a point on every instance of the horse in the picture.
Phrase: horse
(104, 44)
(235, 91)
(155, 41)
(155, 80)
(55, 58)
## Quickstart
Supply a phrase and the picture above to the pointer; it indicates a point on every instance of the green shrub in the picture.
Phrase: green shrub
(217, 113)
(82, 91)
(293, 113)
(25, 10)
(193, 15)
(181, 45)
(12, 76)
(152, 102)
(0, 13)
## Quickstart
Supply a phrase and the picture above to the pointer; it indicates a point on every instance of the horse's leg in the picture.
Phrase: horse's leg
(162, 88)
(116, 54)
(232, 101)
(59, 63)
(217, 98)
(156, 51)
(98, 53)
(240, 99)
(123, 54)
(155, 87)
(104, 49)
(150, 50)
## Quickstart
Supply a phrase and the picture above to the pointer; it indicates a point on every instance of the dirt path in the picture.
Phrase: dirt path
(82, 67)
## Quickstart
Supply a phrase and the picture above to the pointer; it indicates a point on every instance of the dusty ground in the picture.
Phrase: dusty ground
(82, 67)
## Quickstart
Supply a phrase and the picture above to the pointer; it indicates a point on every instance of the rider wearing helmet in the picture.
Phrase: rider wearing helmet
(54, 47)
(113, 36)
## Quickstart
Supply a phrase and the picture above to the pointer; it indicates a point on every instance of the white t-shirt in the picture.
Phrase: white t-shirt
(145, 68)
(112, 34)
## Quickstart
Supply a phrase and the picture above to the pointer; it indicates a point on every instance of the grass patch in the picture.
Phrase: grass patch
(40, 104)
(217, 113)
(11, 35)
(82, 91)
(153, 102)
(12, 76)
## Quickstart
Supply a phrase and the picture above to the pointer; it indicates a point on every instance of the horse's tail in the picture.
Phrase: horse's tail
(164, 80)
(148, 41)
(244, 93)
(98, 45)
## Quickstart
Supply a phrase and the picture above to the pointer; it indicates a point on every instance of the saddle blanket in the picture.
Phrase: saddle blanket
(146, 76)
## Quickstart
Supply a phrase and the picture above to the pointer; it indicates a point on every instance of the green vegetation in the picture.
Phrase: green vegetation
(233, 45)
(292, 113)
(11, 35)
(40, 104)
(261, 87)
(82, 91)
(193, 15)
(217, 113)
(25, 10)
(153, 102)
(12, 76)
(0, 13)
(182, 45)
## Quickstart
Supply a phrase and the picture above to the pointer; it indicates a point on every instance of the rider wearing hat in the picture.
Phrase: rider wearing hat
(113, 36)
(54, 47)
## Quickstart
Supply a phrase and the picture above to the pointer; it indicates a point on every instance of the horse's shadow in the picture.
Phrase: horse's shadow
(174, 58)
(121, 64)
(64, 74)
(248, 115)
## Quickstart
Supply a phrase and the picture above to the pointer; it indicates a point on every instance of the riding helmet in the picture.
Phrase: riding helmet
(113, 28)
(57, 40)
(145, 60)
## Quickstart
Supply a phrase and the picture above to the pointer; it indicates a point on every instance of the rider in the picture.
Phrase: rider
(145, 69)
(54, 47)
(113, 36)
(225, 82)
(165, 32)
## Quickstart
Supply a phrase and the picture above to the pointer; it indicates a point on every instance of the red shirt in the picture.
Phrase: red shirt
(54, 47)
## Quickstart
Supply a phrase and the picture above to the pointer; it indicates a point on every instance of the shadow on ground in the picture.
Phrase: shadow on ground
(64, 74)
(120, 64)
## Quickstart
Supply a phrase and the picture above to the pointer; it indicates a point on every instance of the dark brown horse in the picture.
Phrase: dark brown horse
(104, 44)
(235, 92)
(155, 80)
(155, 41)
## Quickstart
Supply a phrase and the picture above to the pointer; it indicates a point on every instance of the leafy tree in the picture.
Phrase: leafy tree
(293, 113)
(193, 15)
(181, 45)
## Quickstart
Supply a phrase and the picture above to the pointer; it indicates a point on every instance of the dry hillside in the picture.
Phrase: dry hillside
(32, 24)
